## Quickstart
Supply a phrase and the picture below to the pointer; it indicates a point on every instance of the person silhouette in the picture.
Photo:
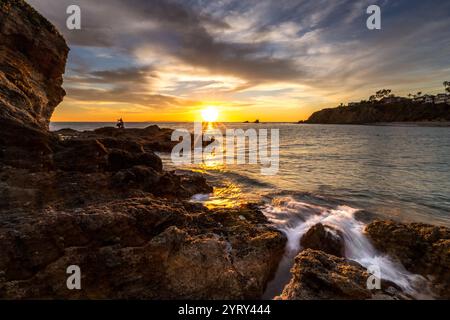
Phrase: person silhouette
(120, 124)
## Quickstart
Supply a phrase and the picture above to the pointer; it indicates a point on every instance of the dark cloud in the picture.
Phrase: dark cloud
(171, 27)
(329, 47)
(132, 85)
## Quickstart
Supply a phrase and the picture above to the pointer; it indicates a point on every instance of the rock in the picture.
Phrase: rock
(151, 138)
(140, 248)
(122, 159)
(32, 61)
(421, 248)
(140, 177)
(324, 238)
(81, 156)
(320, 276)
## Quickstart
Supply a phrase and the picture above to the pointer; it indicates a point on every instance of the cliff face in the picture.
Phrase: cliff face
(373, 113)
(32, 61)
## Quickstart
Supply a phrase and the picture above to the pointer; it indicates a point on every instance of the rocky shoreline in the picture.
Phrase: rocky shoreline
(103, 201)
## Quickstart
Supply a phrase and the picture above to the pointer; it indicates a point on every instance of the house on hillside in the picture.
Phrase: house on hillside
(419, 99)
(428, 98)
(353, 104)
(442, 98)
(389, 100)
(424, 99)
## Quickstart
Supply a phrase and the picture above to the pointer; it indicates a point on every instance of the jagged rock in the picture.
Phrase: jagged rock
(140, 248)
(421, 248)
(324, 238)
(320, 276)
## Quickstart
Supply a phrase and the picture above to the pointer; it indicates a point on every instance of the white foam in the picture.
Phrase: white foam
(295, 218)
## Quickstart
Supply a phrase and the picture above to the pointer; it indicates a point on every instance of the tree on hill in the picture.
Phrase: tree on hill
(384, 93)
(380, 94)
(447, 86)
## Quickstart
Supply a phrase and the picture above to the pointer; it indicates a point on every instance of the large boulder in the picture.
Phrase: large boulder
(324, 238)
(421, 248)
(320, 276)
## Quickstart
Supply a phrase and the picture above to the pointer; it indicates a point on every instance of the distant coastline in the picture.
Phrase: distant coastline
(386, 108)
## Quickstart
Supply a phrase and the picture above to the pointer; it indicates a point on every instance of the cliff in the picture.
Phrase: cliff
(33, 58)
(377, 113)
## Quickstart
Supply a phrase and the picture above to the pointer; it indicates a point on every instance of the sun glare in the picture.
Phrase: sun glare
(210, 114)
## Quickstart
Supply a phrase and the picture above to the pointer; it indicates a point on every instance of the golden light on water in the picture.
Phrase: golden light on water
(210, 114)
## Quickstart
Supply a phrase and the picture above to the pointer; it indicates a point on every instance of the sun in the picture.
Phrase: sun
(210, 114)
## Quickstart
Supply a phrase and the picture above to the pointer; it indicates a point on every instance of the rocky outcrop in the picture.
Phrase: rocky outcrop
(421, 248)
(373, 113)
(32, 61)
(320, 276)
(143, 248)
(33, 58)
(324, 238)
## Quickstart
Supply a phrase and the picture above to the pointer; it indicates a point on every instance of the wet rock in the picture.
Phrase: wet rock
(324, 238)
(320, 276)
(421, 248)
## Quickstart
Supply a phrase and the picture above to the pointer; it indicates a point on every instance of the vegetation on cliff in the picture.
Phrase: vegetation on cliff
(386, 107)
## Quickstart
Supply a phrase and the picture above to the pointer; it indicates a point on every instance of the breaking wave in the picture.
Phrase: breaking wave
(295, 218)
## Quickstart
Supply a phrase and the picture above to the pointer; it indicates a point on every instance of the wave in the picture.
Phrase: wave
(295, 218)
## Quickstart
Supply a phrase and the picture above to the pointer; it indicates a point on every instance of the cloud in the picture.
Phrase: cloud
(132, 85)
(167, 52)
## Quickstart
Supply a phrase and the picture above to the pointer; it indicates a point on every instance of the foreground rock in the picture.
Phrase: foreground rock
(143, 248)
(320, 276)
(324, 238)
(421, 248)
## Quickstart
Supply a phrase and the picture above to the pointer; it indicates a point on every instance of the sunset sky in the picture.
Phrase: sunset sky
(164, 60)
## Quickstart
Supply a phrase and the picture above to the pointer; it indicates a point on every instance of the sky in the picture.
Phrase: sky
(280, 60)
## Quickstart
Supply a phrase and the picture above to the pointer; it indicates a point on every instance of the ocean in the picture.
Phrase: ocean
(340, 175)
